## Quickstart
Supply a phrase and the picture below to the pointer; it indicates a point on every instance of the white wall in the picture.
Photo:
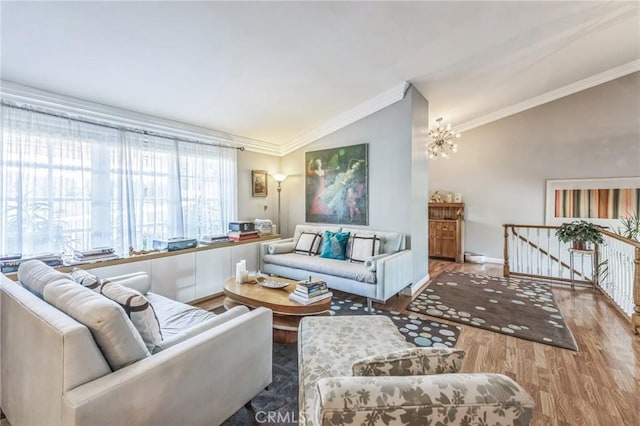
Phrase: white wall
(249, 207)
(501, 167)
(397, 173)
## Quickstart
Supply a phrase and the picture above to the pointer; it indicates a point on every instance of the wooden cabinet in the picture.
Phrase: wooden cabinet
(446, 231)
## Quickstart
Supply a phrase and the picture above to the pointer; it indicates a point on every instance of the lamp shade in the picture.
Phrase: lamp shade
(279, 177)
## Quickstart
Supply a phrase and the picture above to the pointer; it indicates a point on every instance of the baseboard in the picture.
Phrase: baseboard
(494, 260)
(413, 288)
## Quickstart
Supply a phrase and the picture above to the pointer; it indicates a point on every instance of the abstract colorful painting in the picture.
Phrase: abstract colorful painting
(597, 203)
(336, 185)
(601, 201)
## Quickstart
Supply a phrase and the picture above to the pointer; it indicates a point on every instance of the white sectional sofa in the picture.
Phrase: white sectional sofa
(377, 278)
(57, 371)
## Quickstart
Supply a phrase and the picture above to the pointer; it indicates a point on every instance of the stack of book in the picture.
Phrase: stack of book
(242, 231)
(209, 239)
(11, 263)
(99, 254)
(310, 291)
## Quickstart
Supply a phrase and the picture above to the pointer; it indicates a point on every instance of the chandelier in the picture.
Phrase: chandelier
(442, 138)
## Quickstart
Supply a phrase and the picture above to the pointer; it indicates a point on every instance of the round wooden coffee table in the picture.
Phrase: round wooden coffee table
(286, 313)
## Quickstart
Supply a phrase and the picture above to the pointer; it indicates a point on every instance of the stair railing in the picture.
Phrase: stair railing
(534, 251)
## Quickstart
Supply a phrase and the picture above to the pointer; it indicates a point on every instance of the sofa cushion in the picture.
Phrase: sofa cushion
(200, 327)
(410, 362)
(138, 309)
(361, 248)
(35, 275)
(86, 279)
(313, 228)
(390, 242)
(308, 243)
(334, 245)
(175, 317)
(336, 268)
(114, 333)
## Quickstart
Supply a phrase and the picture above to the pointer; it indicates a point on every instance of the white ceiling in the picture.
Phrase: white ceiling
(276, 71)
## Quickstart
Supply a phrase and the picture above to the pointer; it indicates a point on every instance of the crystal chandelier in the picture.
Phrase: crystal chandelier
(442, 141)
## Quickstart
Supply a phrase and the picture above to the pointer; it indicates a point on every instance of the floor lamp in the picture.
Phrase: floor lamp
(279, 178)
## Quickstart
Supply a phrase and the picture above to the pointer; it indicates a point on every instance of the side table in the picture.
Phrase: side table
(582, 253)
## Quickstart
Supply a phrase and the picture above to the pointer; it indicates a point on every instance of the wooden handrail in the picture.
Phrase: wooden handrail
(531, 226)
(626, 240)
(604, 231)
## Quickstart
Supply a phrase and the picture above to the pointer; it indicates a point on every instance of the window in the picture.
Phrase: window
(67, 185)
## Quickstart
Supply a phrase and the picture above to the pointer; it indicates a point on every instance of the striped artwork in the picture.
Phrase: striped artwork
(597, 203)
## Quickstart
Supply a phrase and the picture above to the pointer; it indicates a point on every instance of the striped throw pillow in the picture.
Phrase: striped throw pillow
(138, 309)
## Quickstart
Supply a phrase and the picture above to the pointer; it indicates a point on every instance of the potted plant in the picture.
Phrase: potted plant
(580, 233)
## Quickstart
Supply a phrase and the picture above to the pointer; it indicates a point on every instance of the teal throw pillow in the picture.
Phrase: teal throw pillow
(334, 245)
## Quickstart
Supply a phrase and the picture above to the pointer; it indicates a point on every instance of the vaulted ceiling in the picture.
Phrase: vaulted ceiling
(277, 71)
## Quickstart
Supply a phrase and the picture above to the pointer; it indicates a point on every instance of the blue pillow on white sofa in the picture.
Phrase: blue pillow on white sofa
(334, 245)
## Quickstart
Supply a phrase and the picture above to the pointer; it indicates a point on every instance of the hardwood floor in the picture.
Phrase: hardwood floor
(599, 385)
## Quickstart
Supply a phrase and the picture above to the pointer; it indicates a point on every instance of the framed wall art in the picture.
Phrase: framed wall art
(601, 201)
(337, 185)
(259, 183)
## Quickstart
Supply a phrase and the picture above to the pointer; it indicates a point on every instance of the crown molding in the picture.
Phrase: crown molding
(553, 95)
(74, 106)
(366, 108)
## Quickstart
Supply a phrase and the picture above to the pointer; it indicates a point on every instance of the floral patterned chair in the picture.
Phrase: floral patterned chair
(360, 370)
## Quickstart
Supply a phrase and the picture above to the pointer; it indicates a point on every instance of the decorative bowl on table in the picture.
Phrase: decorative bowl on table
(270, 283)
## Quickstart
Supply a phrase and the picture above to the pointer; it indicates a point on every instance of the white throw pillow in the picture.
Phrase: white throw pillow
(114, 333)
(138, 309)
(35, 275)
(363, 248)
(308, 243)
(86, 279)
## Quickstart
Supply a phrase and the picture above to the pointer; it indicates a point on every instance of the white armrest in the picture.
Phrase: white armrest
(137, 281)
(393, 273)
(264, 249)
(443, 398)
(194, 382)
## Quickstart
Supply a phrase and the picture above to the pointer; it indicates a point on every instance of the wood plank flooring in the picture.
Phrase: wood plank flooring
(599, 385)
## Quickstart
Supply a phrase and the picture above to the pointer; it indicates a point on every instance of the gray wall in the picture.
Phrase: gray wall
(501, 167)
(397, 174)
(250, 208)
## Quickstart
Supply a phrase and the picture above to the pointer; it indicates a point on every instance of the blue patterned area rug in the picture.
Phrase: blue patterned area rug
(517, 307)
(418, 331)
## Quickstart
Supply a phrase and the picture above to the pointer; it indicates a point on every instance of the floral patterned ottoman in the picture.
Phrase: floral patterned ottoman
(360, 370)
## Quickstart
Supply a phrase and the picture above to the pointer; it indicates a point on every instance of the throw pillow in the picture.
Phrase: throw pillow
(114, 333)
(138, 309)
(410, 362)
(86, 279)
(334, 245)
(35, 275)
(308, 243)
(362, 248)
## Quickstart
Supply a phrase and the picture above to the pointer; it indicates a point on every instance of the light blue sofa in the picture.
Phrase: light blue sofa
(378, 278)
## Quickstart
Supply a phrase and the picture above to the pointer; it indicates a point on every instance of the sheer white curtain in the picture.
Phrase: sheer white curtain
(68, 185)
